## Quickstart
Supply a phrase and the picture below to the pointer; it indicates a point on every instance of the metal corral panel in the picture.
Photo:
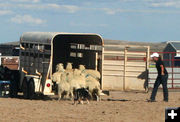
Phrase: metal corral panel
(113, 82)
(113, 75)
(125, 71)
(173, 77)
(133, 83)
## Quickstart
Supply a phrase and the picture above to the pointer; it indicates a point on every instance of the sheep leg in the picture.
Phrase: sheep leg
(59, 94)
(99, 94)
(67, 95)
(97, 97)
(72, 95)
(91, 96)
(59, 97)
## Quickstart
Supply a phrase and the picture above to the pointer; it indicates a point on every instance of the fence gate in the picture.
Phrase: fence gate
(125, 68)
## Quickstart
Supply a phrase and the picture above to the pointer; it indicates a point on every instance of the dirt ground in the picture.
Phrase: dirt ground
(135, 109)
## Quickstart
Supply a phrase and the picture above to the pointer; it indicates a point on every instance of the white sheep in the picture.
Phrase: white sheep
(92, 81)
(60, 78)
(71, 79)
(94, 73)
(80, 78)
(63, 86)
(57, 75)
(69, 68)
(94, 87)
(60, 67)
(76, 80)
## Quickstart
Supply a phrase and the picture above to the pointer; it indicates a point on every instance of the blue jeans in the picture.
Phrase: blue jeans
(160, 80)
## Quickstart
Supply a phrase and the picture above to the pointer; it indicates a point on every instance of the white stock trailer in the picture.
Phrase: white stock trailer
(40, 52)
(122, 68)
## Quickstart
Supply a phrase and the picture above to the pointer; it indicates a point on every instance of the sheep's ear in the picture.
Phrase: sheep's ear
(87, 88)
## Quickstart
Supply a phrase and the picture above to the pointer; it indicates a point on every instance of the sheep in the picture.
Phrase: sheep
(71, 79)
(60, 78)
(76, 80)
(60, 67)
(93, 73)
(57, 75)
(94, 87)
(72, 83)
(92, 81)
(79, 77)
(63, 86)
(69, 68)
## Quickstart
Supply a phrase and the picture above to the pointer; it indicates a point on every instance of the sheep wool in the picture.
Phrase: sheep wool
(80, 78)
(63, 86)
(56, 77)
(94, 87)
(82, 67)
(93, 73)
(59, 67)
(87, 72)
(69, 68)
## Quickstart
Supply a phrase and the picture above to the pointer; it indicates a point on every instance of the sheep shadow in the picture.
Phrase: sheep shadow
(36, 97)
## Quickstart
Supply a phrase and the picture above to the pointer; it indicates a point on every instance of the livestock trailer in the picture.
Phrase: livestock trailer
(40, 52)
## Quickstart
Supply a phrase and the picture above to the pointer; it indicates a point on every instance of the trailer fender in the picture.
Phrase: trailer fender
(48, 87)
(37, 82)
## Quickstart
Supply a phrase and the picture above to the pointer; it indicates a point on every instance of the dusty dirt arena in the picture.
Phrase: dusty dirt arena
(136, 109)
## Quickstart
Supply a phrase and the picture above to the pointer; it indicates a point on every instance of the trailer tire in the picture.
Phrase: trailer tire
(31, 89)
(25, 89)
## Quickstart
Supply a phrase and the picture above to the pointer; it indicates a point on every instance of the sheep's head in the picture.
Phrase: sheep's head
(77, 72)
(59, 67)
(69, 66)
(81, 67)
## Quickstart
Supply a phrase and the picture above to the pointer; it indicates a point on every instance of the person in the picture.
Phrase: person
(161, 78)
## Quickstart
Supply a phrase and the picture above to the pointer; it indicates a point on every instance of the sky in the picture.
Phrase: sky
(131, 20)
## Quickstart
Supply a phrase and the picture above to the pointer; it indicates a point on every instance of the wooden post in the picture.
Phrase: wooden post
(147, 64)
(147, 58)
(125, 63)
(102, 67)
(96, 61)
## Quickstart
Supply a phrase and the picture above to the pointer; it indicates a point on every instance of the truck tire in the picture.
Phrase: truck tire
(25, 89)
(13, 89)
(15, 83)
(31, 89)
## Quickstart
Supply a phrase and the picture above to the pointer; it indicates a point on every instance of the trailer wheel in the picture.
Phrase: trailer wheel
(25, 89)
(31, 89)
